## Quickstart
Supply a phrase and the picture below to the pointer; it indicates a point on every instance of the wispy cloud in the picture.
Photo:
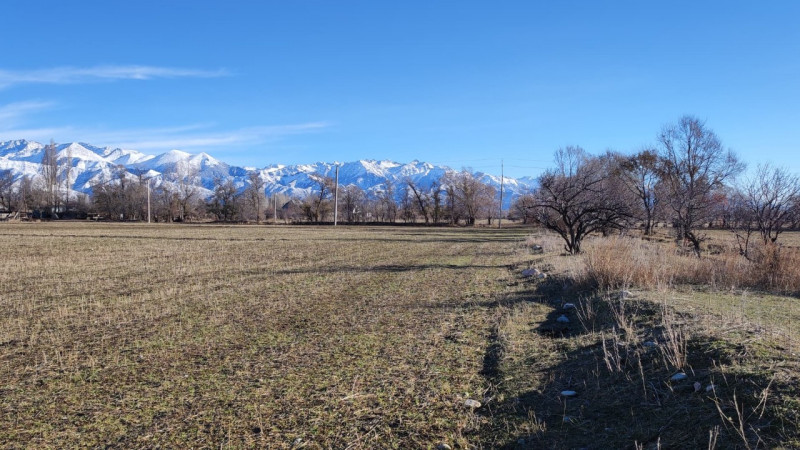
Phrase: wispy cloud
(193, 137)
(71, 75)
(199, 137)
(13, 112)
(196, 137)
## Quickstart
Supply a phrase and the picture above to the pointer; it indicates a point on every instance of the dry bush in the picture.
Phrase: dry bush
(778, 268)
(619, 262)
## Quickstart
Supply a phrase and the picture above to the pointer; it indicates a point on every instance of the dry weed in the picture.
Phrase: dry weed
(616, 262)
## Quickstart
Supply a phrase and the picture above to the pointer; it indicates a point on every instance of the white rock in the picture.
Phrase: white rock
(470, 403)
(443, 446)
(649, 344)
(679, 376)
(568, 393)
(569, 306)
(542, 276)
(528, 273)
(710, 387)
(562, 319)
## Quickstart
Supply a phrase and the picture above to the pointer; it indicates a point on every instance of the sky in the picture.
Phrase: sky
(459, 83)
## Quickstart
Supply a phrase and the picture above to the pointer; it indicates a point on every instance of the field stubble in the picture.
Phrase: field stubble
(640, 314)
(138, 336)
(278, 337)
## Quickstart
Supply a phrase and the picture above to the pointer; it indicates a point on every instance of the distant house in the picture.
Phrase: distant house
(292, 210)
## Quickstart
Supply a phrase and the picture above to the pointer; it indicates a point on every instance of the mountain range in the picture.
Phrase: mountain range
(92, 165)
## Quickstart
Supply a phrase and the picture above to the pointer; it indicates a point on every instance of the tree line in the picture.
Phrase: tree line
(49, 193)
(458, 197)
(687, 180)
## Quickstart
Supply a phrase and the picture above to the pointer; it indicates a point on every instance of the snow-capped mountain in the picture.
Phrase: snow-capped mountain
(92, 165)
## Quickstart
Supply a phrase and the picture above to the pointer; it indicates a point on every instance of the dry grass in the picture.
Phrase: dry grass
(619, 353)
(116, 335)
(199, 336)
(621, 261)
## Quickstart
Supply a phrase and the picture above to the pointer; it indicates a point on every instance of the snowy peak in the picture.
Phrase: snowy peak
(21, 150)
(79, 151)
(169, 158)
(92, 165)
(125, 157)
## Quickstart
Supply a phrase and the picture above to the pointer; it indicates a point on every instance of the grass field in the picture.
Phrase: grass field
(128, 335)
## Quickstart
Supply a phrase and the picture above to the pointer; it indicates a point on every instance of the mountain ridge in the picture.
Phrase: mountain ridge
(92, 165)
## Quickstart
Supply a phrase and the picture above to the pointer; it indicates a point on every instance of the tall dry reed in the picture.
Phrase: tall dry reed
(619, 262)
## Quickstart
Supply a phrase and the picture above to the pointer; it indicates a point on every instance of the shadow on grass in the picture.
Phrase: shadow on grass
(384, 268)
(624, 394)
(621, 409)
(476, 237)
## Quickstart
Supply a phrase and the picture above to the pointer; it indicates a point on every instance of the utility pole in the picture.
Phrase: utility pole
(148, 200)
(336, 197)
(502, 178)
(274, 208)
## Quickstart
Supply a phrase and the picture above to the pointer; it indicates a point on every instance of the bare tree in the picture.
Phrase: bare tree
(30, 195)
(420, 199)
(6, 189)
(468, 196)
(406, 206)
(138, 194)
(769, 198)
(278, 201)
(255, 193)
(118, 198)
(523, 208)
(737, 218)
(165, 202)
(353, 202)
(794, 217)
(66, 174)
(574, 199)
(49, 170)
(436, 198)
(185, 179)
(693, 165)
(122, 197)
(639, 173)
(317, 205)
(224, 204)
(387, 203)
(451, 203)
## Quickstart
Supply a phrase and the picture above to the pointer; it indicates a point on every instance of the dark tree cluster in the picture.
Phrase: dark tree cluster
(456, 198)
(687, 180)
(580, 196)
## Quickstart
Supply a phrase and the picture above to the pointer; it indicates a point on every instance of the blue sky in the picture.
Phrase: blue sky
(460, 83)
